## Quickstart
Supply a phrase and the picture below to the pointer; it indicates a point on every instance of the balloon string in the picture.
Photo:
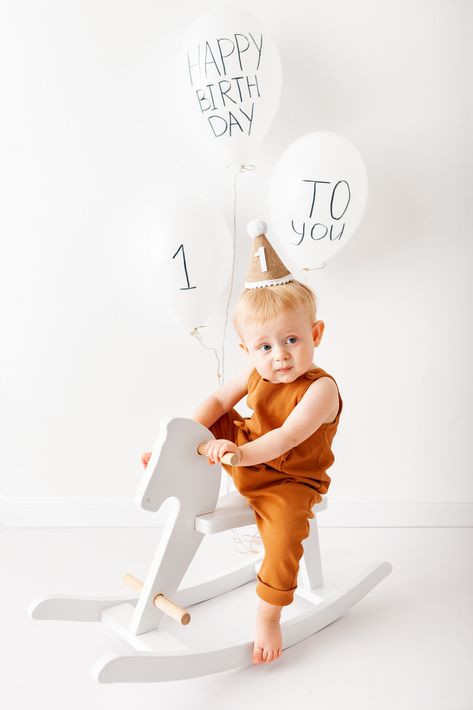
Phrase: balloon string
(245, 542)
(305, 271)
(245, 167)
(197, 335)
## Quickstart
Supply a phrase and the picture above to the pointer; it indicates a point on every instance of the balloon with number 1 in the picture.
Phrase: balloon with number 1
(191, 256)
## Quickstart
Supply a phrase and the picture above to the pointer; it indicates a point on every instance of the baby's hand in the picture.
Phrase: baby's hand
(145, 458)
(218, 447)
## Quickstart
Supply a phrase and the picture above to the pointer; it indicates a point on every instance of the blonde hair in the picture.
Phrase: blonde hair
(261, 304)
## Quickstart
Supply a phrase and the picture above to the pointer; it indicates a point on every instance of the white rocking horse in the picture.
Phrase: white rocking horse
(175, 470)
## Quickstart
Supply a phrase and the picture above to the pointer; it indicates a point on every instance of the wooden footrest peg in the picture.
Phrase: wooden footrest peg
(160, 601)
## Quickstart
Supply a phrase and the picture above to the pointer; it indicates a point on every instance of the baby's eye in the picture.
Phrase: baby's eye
(265, 347)
(292, 339)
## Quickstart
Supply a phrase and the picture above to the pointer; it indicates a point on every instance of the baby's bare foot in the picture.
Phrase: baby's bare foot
(268, 637)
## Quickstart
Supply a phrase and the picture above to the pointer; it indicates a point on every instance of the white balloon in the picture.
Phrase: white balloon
(317, 197)
(230, 76)
(191, 257)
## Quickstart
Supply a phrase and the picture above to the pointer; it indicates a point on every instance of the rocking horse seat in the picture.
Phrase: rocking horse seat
(233, 511)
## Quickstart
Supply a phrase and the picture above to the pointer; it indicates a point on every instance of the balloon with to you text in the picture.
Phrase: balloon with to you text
(317, 197)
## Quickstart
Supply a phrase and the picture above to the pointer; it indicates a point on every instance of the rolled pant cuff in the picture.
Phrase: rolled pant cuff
(278, 597)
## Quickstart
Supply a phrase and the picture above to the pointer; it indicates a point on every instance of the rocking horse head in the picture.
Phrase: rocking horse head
(175, 469)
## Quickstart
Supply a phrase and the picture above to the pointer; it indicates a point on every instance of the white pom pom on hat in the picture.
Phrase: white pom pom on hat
(266, 268)
(256, 227)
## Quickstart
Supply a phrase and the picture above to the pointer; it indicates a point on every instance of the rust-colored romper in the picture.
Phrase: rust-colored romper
(281, 491)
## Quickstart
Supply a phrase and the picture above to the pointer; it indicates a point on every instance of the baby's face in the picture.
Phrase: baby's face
(282, 349)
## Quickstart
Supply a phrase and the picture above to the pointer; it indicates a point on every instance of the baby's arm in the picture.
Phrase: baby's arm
(223, 399)
(214, 406)
(313, 409)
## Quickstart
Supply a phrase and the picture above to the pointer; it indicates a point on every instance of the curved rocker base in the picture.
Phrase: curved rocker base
(69, 608)
(181, 663)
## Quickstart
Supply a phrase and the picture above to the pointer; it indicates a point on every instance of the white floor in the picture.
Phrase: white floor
(408, 644)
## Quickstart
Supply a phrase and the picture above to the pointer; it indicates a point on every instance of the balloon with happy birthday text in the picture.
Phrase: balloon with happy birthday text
(232, 82)
(191, 257)
(317, 197)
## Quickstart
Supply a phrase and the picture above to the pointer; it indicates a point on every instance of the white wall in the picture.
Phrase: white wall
(90, 362)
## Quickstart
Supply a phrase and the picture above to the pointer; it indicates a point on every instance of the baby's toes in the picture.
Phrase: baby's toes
(257, 654)
(267, 655)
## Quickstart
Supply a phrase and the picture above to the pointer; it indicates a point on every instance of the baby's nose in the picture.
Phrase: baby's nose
(281, 354)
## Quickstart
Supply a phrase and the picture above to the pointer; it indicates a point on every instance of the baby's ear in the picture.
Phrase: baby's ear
(243, 347)
(317, 331)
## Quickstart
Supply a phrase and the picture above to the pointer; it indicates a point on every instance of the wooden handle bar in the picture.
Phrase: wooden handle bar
(230, 459)
(160, 601)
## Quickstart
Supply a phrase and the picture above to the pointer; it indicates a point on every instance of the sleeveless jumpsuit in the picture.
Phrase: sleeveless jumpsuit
(283, 490)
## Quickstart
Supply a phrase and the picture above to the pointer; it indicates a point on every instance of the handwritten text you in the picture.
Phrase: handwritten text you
(339, 196)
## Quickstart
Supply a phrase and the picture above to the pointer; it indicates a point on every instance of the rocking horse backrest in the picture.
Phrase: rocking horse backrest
(175, 469)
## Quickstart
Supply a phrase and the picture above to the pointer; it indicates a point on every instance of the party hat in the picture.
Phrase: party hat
(266, 268)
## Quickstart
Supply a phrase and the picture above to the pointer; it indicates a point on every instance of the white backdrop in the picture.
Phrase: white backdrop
(90, 361)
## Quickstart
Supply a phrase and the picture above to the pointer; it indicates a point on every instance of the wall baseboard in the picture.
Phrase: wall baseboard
(108, 513)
